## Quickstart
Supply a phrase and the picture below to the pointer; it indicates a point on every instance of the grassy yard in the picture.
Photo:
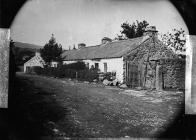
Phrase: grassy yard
(52, 107)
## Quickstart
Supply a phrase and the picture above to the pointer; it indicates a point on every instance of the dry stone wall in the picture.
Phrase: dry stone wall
(174, 73)
(4, 65)
(171, 72)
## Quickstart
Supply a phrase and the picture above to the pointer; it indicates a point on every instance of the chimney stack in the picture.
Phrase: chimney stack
(106, 40)
(37, 53)
(74, 47)
(81, 45)
(151, 31)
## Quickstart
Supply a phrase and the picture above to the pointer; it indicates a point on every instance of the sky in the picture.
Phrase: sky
(88, 21)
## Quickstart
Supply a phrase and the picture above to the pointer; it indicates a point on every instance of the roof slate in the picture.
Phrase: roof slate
(37, 59)
(114, 49)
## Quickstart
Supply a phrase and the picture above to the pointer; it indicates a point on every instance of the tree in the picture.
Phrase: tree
(175, 40)
(51, 51)
(132, 30)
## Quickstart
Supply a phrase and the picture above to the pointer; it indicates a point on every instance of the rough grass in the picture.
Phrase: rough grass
(50, 106)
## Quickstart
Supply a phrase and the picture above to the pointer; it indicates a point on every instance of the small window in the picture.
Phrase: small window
(96, 65)
(105, 67)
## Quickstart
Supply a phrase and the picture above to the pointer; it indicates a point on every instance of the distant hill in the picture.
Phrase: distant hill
(27, 45)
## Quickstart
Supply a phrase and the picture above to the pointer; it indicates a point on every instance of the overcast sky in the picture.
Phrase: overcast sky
(88, 21)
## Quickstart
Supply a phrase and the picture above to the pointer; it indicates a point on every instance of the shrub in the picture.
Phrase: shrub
(109, 76)
(88, 75)
(38, 70)
(75, 66)
(75, 70)
(70, 73)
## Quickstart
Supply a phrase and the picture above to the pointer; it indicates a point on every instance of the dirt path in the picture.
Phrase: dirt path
(77, 109)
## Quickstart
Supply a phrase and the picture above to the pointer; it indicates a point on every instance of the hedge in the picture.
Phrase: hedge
(75, 70)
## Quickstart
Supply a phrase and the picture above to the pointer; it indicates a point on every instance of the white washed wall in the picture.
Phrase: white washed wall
(54, 64)
(113, 65)
(31, 63)
(68, 62)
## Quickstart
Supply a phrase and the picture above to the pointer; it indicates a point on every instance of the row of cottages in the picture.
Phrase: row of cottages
(135, 61)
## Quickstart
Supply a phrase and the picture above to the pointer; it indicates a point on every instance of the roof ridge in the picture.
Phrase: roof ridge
(119, 48)
(120, 41)
(93, 46)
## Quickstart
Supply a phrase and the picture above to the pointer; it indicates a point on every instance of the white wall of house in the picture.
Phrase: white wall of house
(31, 64)
(113, 65)
(34, 61)
(54, 64)
(69, 62)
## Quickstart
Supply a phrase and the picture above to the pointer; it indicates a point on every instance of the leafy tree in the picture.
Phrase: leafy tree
(51, 51)
(132, 30)
(175, 39)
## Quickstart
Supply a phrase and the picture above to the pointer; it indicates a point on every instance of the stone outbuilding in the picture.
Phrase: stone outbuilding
(136, 62)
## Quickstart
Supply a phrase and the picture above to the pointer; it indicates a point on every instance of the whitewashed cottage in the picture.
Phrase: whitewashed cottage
(34, 61)
(129, 59)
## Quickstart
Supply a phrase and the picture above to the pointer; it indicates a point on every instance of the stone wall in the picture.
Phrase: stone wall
(174, 73)
(4, 67)
(152, 73)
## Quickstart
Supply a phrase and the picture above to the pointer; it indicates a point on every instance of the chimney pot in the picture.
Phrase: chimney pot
(150, 31)
(106, 40)
(81, 45)
(37, 53)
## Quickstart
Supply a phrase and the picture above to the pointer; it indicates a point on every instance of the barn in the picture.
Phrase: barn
(136, 62)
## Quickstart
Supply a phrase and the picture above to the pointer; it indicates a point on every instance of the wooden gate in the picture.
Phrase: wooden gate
(132, 75)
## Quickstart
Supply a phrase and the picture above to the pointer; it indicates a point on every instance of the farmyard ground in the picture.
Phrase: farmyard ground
(45, 106)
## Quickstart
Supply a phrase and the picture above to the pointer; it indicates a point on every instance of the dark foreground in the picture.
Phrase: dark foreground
(43, 106)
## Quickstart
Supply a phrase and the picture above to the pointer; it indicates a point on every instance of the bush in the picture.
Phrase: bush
(109, 76)
(38, 70)
(88, 75)
(75, 66)
(75, 70)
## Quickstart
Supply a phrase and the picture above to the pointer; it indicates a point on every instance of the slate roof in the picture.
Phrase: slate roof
(37, 59)
(114, 49)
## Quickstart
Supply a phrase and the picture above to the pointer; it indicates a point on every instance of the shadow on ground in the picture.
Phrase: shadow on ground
(33, 113)
(177, 128)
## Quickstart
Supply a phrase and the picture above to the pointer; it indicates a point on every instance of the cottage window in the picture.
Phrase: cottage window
(105, 67)
(96, 65)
